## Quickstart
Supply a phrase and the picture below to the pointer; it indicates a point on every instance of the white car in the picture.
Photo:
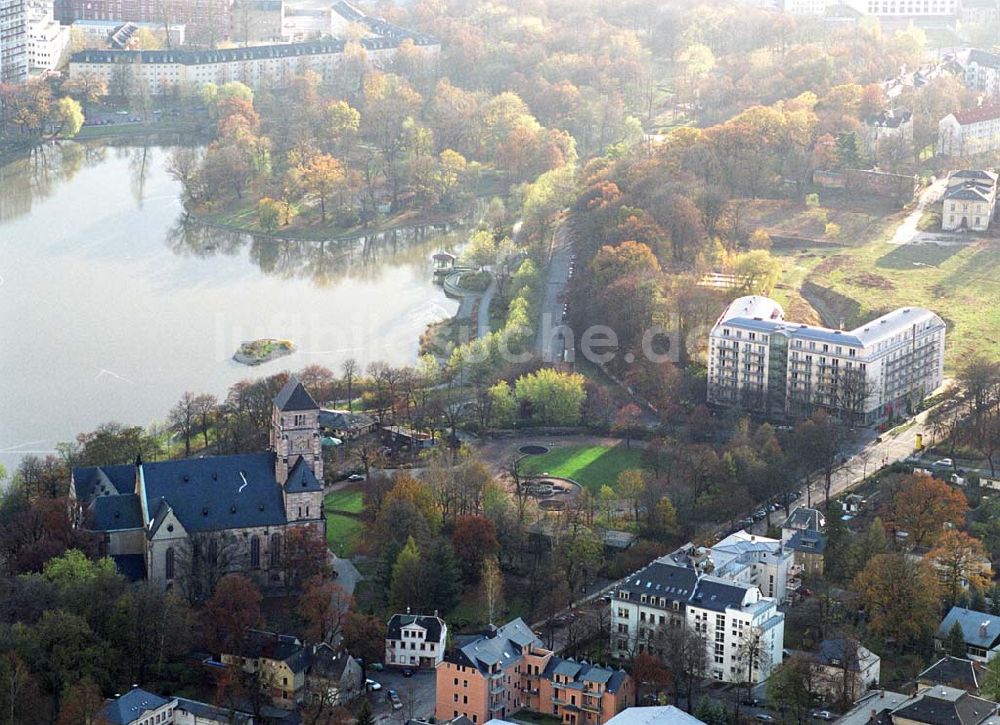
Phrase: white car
(944, 462)
(355, 477)
(373, 685)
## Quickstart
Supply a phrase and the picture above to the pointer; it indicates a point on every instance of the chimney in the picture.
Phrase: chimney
(983, 627)
(407, 610)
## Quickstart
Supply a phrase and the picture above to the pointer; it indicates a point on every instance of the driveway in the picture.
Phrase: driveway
(416, 693)
(907, 231)
(348, 575)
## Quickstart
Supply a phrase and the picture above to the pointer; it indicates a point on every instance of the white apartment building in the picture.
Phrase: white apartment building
(415, 640)
(905, 8)
(760, 362)
(982, 72)
(48, 40)
(969, 201)
(728, 616)
(743, 558)
(13, 41)
(969, 132)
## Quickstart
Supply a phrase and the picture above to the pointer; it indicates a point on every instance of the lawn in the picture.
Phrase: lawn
(346, 499)
(960, 283)
(343, 534)
(590, 466)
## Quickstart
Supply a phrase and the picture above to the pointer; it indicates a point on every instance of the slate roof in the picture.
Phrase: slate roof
(301, 478)
(941, 705)
(114, 513)
(212, 713)
(432, 624)
(294, 397)
(502, 646)
(718, 594)
(218, 492)
(982, 57)
(803, 518)
(953, 671)
(813, 542)
(676, 582)
(973, 630)
(131, 706)
(278, 647)
(344, 420)
(970, 191)
(834, 652)
(103, 480)
(325, 662)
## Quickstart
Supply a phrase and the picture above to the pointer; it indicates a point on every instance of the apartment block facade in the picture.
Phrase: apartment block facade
(507, 669)
(982, 72)
(760, 362)
(970, 132)
(13, 41)
(743, 631)
(415, 640)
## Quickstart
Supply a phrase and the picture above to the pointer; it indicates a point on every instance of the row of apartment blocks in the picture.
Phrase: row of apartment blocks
(256, 66)
(761, 363)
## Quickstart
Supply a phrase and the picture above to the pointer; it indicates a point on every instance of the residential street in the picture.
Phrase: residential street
(550, 345)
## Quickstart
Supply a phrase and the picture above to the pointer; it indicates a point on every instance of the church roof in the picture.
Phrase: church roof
(294, 397)
(217, 492)
(301, 478)
(103, 480)
(113, 513)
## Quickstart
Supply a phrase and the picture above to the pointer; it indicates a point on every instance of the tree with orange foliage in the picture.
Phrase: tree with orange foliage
(81, 705)
(475, 540)
(305, 555)
(960, 558)
(233, 609)
(900, 595)
(922, 506)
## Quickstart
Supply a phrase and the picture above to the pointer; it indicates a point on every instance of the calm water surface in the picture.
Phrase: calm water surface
(111, 307)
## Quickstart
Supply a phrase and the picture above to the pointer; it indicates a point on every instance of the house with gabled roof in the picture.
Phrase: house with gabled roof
(969, 132)
(980, 630)
(960, 672)
(969, 201)
(233, 511)
(415, 640)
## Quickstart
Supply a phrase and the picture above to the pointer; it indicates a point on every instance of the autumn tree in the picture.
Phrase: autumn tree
(900, 596)
(319, 178)
(233, 609)
(922, 506)
(474, 540)
(962, 562)
(324, 605)
(82, 704)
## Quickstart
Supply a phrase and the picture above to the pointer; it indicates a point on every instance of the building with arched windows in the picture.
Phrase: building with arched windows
(172, 520)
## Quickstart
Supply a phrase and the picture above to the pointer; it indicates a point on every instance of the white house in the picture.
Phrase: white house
(48, 41)
(969, 201)
(733, 619)
(415, 640)
(969, 132)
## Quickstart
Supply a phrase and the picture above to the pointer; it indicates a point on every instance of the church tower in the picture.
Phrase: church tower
(295, 432)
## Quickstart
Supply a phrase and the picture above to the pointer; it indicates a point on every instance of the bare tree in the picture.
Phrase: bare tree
(183, 417)
(349, 369)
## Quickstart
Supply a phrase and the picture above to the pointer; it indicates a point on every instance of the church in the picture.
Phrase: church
(149, 517)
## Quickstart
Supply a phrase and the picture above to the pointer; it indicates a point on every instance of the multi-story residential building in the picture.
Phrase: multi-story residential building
(889, 9)
(978, 13)
(743, 558)
(982, 72)
(762, 363)
(415, 640)
(280, 662)
(507, 669)
(969, 201)
(140, 707)
(743, 630)
(262, 66)
(970, 132)
(13, 41)
(843, 669)
(48, 40)
(212, 19)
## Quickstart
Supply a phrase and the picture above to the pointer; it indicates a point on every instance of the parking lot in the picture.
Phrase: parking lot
(416, 694)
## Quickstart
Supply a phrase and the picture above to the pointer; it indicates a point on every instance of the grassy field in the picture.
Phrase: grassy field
(590, 466)
(343, 533)
(961, 283)
(346, 499)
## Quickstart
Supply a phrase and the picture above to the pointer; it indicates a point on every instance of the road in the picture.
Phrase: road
(549, 343)
(483, 318)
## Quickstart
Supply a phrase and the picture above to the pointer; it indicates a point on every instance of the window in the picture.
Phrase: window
(300, 419)
(168, 563)
(275, 549)
(255, 552)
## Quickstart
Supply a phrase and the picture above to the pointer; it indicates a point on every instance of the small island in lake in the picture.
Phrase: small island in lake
(255, 352)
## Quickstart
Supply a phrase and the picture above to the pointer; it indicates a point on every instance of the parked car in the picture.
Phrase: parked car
(373, 685)
(746, 522)
(750, 701)
(823, 715)
(407, 672)
(376, 667)
(393, 697)
(944, 462)
(355, 477)
(764, 717)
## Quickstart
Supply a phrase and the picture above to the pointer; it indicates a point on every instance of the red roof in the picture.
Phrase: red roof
(977, 115)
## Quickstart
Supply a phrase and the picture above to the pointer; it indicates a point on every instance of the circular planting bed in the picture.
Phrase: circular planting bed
(533, 450)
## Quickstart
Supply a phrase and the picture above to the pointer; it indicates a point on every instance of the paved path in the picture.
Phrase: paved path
(908, 229)
(348, 575)
(483, 323)
(550, 345)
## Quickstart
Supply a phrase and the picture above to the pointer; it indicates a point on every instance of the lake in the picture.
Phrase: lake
(111, 306)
